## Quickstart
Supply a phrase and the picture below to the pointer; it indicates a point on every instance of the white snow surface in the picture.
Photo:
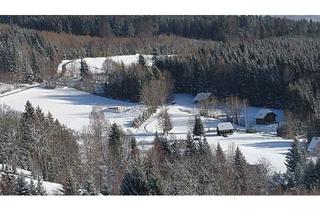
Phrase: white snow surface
(95, 63)
(72, 108)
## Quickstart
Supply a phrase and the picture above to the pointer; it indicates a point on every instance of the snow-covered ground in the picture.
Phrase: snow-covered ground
(95, 64)
(72, 108)
(50, 187)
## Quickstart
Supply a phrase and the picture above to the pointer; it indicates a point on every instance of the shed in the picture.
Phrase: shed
(314, 145)
(201, 97)
(224, 128)
(266, 116)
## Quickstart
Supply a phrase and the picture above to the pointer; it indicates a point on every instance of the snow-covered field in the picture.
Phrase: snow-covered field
(95, 64)
(72, 108)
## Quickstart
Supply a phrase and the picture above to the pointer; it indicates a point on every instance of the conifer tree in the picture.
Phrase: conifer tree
(220, 156)
(190, 148)
(240, 166)
(40, 190)
(27, 140)
(84, 70)
(70, 187)
(164, 122)
(22, 187)
(295, 162)
(309, 177)
(198, 129)
(141, 60)
(88, 188)
(32, 187)
(134, 183)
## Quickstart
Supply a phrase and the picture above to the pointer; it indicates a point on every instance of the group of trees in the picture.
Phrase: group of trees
(219, 28)
(36, 142)
(277, 72)
(104, 159)
(11, 184)
(303, 173)
(138, 82)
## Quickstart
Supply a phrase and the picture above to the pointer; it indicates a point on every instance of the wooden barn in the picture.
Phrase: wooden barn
(266, 116)
(224, 128)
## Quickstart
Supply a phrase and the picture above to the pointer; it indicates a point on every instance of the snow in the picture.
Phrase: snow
(50, 187)
(201, 96)
(95, 64)
(225, 126)
(314, 143)
(72, 108)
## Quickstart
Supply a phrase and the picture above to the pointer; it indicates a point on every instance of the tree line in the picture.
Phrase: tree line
(218, 28)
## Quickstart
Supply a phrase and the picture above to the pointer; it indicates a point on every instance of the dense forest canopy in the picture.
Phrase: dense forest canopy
(218, 28)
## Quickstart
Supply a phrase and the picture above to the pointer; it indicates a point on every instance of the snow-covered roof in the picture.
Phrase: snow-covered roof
(225, 126)
(314, 143)
(263, 112)
(202, 96)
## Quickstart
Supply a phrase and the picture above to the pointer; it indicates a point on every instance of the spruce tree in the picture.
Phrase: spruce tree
(309, 177)
(70, 187)
(88, 188)
(32, 187)
(164, 122)
(220, 156)
(22, 187)
(198, 129)
(134, 182)
(27, 132)
(141, 60)
(84, 70)
(295, 162)
(115, 141)
(40, 190)
(190, 148)
(240, 166)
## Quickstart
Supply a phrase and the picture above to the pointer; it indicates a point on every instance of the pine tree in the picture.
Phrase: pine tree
(240, 166)
(309, 177)
(220, 156)
(27, 141)
(70, 187)
(32, 187)
(141, 60)
(198, 129)
(40, 190)
(22, 187)
(105, 190)
(84, 70)
(8, 184)
(164, 122)
(190, 148)
(295, 162)
(88, 188)
(134, 183)
(115, 141)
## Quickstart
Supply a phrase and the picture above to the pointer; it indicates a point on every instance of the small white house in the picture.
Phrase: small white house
(224, 128)
(201, 97)
(314, 146)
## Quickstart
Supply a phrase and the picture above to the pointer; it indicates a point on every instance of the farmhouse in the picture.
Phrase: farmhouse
(314, 146)
(224, 128)
(201, 97)
(265, 116)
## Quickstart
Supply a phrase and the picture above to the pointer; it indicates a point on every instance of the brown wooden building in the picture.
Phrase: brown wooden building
(266, 116)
